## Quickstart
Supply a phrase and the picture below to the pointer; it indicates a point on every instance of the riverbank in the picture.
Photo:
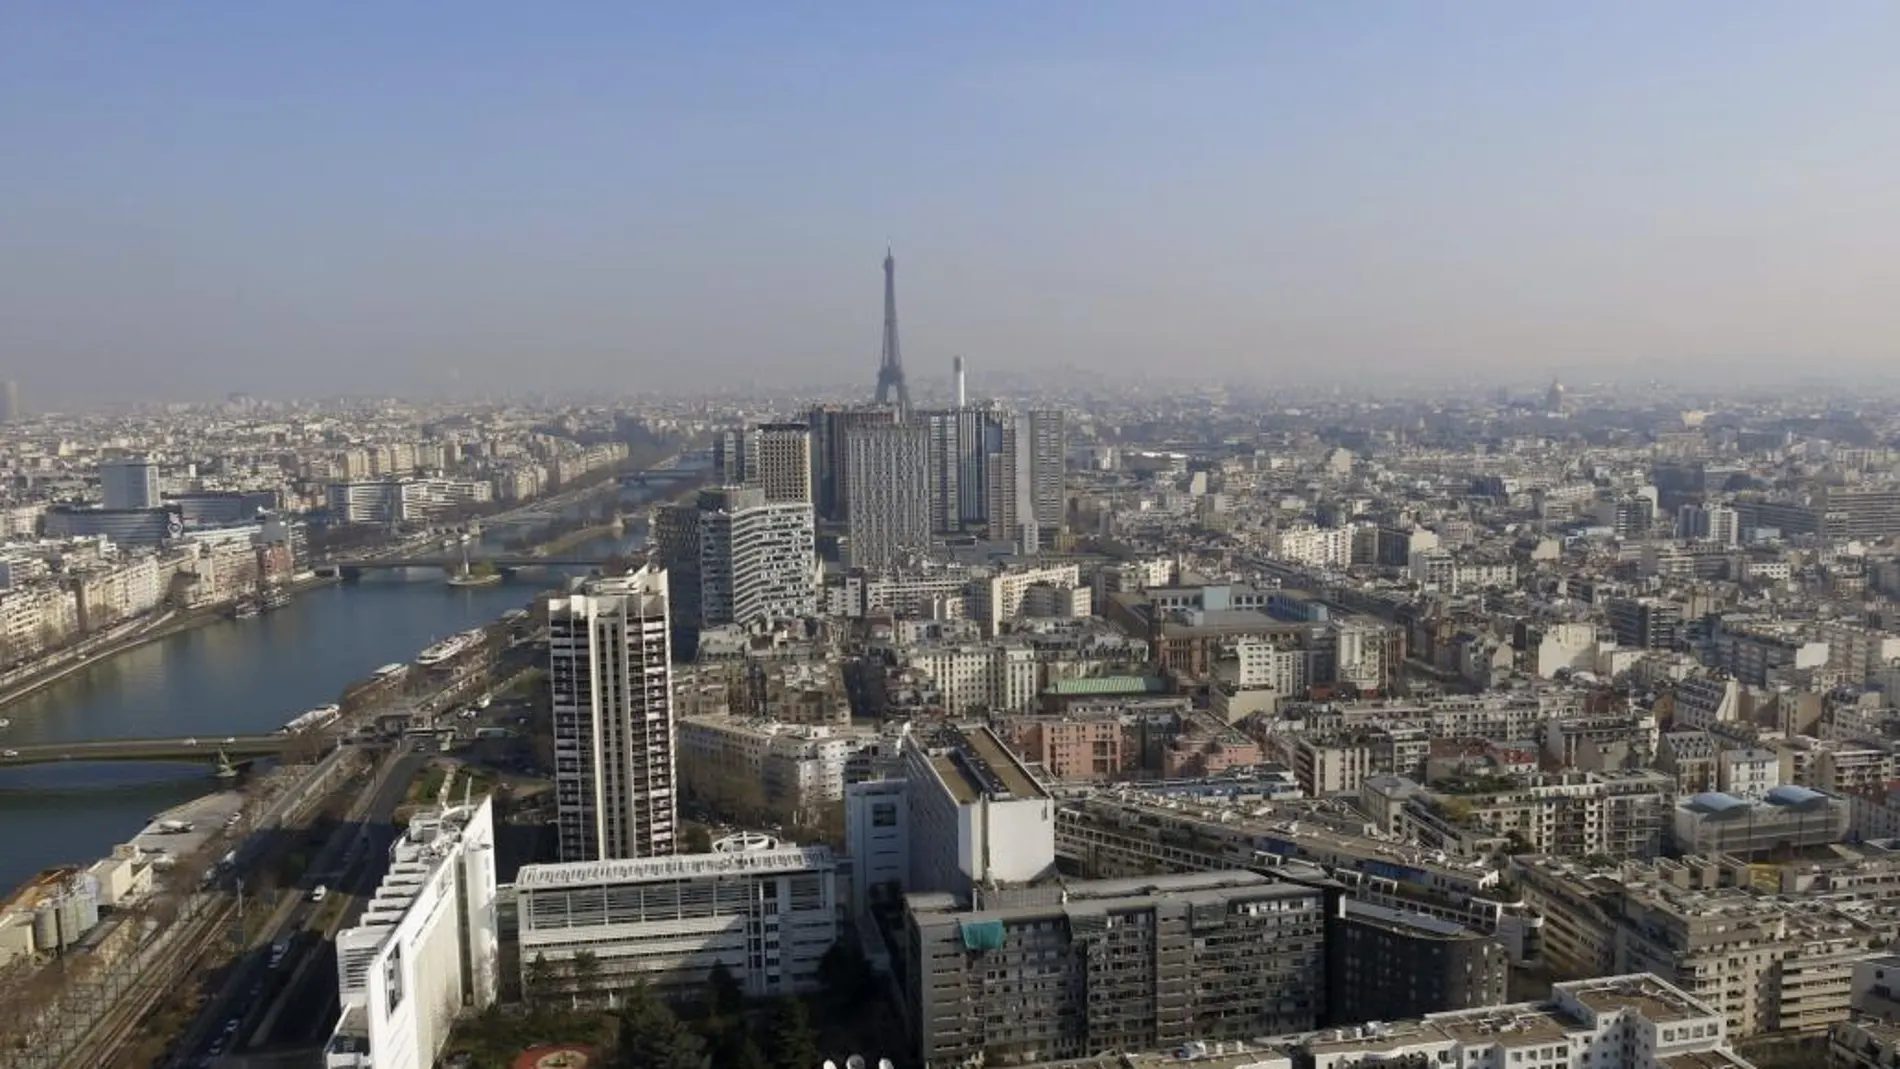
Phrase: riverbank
(160, 628)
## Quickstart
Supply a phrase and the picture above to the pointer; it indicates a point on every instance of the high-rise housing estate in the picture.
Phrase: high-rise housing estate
(779, 462)
(611, 674)
(1011, 481)
(831, 425)
(129, 483)
(1048, 458)
(887, 482)
(945, 469)
(775, 457)
(974, 436)
(757, 558)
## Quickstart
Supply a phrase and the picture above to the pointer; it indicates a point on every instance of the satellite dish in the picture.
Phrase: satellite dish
(856, 1061)
(829, 1064)
(885, 1063)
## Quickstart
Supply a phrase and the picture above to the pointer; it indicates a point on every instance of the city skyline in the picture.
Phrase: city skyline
(266, 201)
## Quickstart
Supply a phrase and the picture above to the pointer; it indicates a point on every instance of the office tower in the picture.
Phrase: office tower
(956, 369)
(779, 462)
(890, 370)
(888, 486)
(945, 468)
(10, 402)
(757, 559)
(611, 674)
(830, 426)
(1010, 464)
(1048, 458)
(129, 483)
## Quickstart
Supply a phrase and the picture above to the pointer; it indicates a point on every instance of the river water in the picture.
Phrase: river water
(227, 678)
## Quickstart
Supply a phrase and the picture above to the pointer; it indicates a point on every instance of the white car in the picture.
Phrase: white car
(230, 740)
(10, 753)
(191, 742)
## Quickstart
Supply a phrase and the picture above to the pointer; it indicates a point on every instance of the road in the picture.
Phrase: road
(295, 1003)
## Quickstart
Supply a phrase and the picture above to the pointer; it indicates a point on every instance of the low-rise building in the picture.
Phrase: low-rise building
(765, 910)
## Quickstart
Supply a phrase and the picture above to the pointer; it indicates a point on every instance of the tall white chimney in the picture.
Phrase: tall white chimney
(956, 364)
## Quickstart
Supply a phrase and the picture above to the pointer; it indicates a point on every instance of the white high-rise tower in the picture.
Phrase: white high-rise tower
(611, 673)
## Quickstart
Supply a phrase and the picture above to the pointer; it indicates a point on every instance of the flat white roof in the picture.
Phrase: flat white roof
(679, 867)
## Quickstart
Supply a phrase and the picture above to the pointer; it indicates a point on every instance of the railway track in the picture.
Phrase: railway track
(178, 959)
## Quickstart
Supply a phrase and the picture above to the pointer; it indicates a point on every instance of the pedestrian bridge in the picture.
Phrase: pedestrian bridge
(226, 750)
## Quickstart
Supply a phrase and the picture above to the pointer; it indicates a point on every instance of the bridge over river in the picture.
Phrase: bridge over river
(193, 750)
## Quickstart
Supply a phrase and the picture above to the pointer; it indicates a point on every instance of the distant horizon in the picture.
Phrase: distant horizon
(291, 200)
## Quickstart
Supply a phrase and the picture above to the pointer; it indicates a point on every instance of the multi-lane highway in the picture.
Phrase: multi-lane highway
(277, 998)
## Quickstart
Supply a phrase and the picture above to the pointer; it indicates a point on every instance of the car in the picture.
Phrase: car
(231, 1026)
(318, 892)
(229, 739)
(9, 753)
(191, 742)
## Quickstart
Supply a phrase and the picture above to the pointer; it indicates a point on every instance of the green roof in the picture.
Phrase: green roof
(1110, 685)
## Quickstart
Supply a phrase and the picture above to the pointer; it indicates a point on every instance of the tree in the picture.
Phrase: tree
(744, 1053)
(651, 1037)
(723, 989)
(698, 839)
(845, 973)
(586, 975)
(793, 1045)
(538, 981)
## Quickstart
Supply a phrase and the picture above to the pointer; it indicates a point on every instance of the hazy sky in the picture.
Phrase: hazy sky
(298, 197)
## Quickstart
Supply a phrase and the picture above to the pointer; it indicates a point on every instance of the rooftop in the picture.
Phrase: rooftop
(744, 860)
(974, 763)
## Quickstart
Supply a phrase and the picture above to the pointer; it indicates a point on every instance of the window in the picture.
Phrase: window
(884, 815)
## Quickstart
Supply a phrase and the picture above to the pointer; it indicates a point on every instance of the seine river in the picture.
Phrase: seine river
(227, 678)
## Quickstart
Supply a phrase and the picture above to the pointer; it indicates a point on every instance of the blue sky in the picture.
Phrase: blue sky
(288, 198)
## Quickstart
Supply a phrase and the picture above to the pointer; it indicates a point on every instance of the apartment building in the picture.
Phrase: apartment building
(1764, 962)
(886, 486)
(1000, 597)
(610, 674)
(1783, 819)
(1002, 676)
(767, 911)
(791, 772)
(977, 816)
(1632, 1021)
(1577, 814)
(1104, 965)
(757, 559)
(1136, 831)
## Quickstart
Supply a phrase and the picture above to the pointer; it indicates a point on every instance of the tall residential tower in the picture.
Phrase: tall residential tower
(611, 674)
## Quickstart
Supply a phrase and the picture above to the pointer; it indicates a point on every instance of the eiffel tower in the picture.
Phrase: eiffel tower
(890, 371)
